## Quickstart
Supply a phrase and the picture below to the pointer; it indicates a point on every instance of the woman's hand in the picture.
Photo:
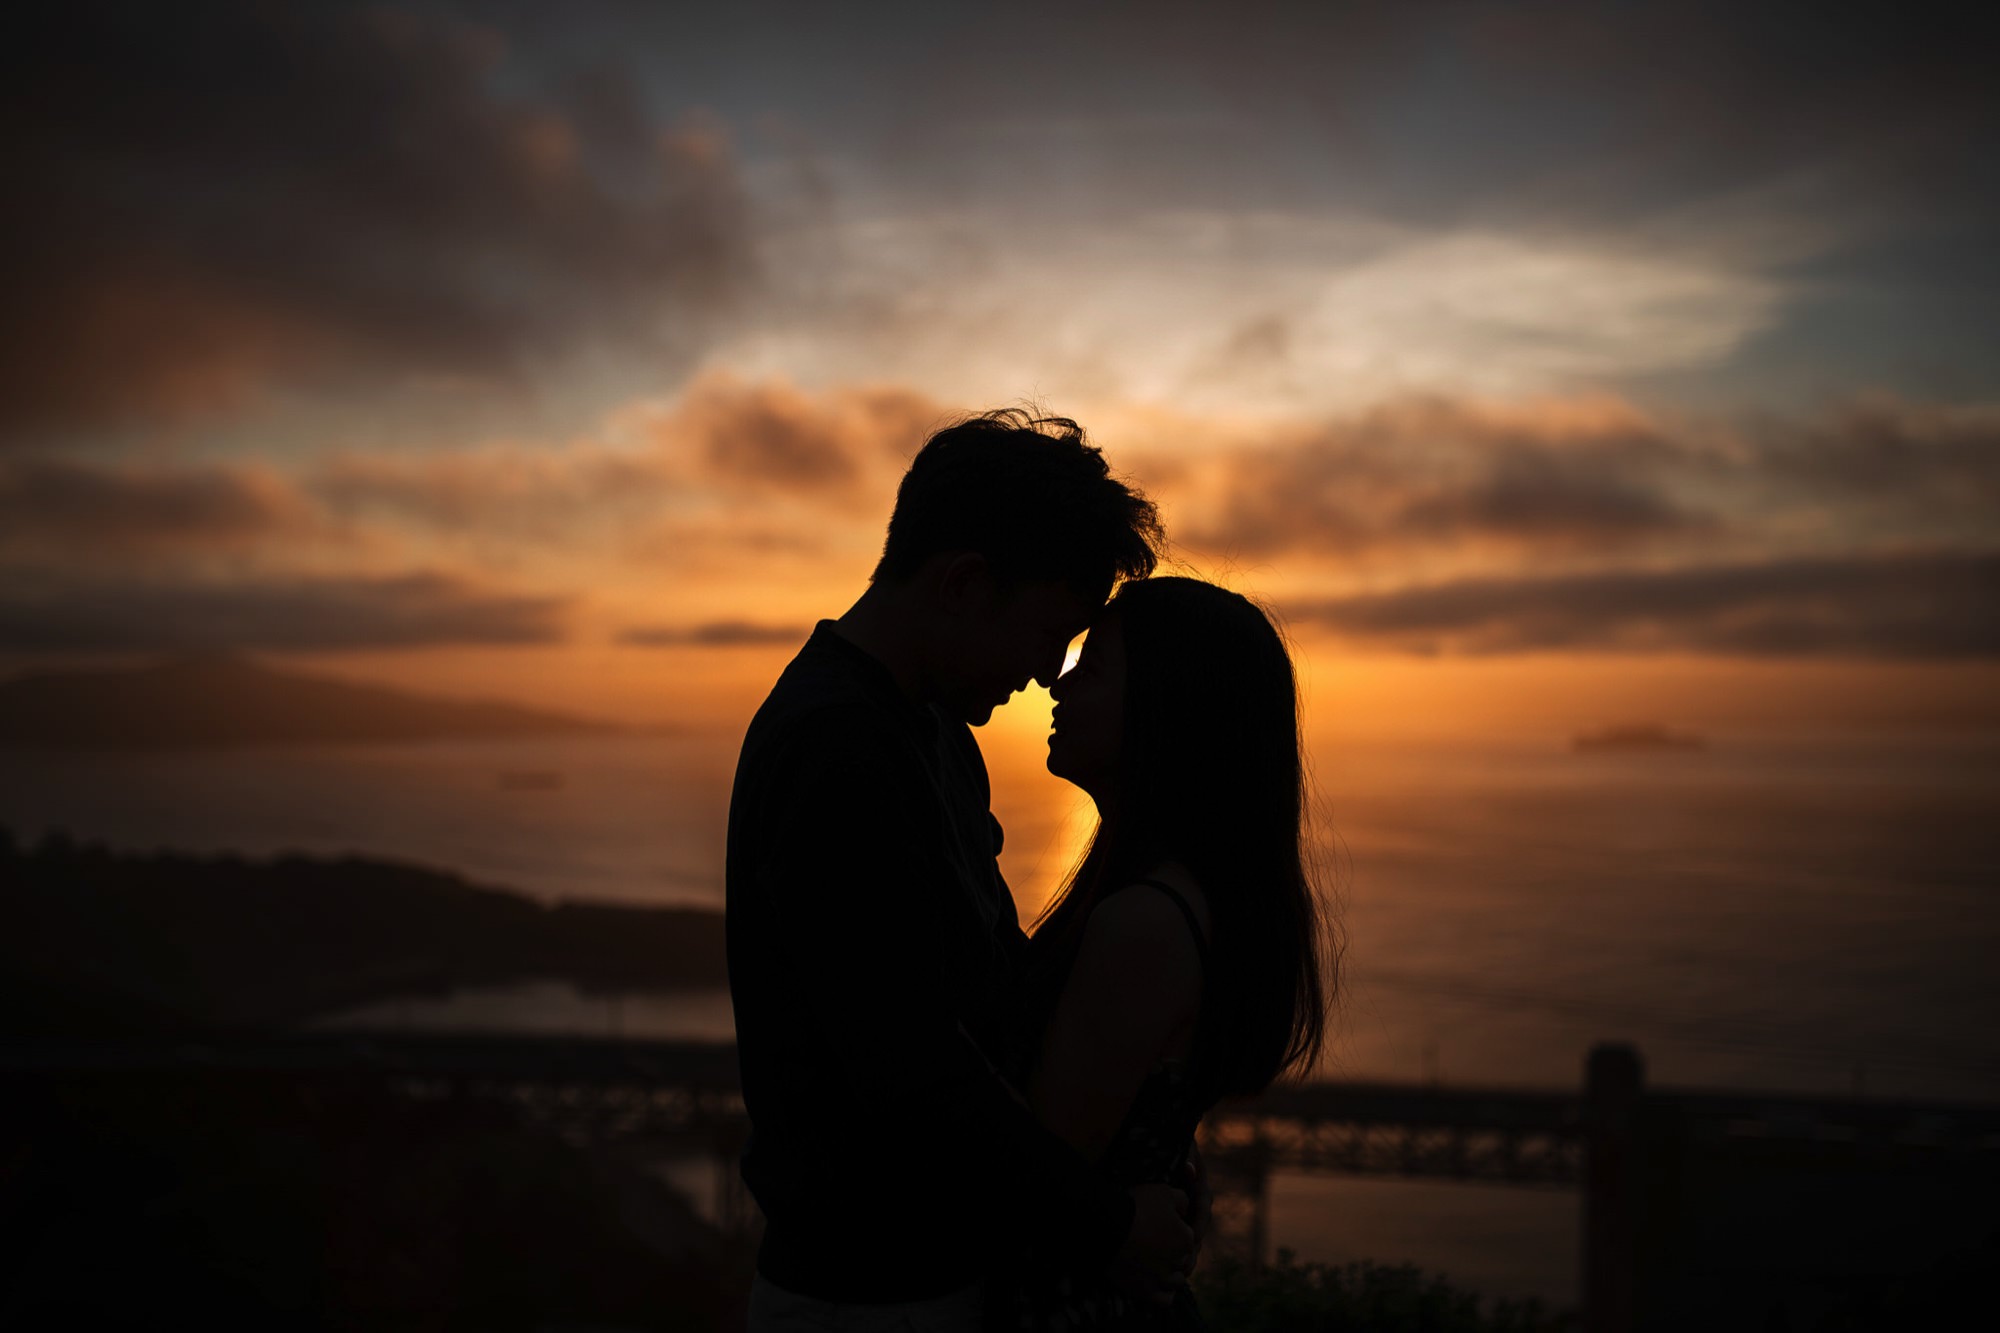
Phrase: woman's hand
(1159, 1249)
(1193, 1178)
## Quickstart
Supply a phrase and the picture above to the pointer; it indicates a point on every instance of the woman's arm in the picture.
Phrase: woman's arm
(1135, 984)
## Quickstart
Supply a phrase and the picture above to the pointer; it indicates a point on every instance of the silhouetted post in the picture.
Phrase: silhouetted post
(1260, 1205)
(1614, 1081)
(1239, 1174)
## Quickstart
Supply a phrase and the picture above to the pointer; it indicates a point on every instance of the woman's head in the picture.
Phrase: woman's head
(1181, 721)
(1183, 694)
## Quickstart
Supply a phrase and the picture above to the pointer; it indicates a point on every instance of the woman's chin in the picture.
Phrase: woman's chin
(1071, 776)
(1055, 762)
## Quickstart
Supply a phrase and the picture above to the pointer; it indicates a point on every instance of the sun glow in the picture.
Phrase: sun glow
(1047, 822)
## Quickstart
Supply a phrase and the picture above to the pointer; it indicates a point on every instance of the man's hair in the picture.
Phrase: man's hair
(1029, 494)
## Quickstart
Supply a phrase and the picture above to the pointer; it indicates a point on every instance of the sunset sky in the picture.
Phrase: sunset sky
(1557, 362)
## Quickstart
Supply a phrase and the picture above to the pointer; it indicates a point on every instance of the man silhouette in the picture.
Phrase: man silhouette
(873, 946)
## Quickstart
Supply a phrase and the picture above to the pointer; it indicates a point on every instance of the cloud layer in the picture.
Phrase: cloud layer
(56, 613)
(1459, 483)
(1288, 207)
(1921, 605)
(217, 198)
(723, 461)
(730, 515)
(98, 511)
(715, 634)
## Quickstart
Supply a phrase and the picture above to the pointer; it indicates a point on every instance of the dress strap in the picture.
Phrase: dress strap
(1194, 922)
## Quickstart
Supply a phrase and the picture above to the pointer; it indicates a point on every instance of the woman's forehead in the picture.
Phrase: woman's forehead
(1104, 633)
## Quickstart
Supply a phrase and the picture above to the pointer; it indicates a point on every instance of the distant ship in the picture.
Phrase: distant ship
(1643, 736)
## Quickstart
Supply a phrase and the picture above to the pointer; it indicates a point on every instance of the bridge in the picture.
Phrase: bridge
(1630, 1151)
(683, 1098)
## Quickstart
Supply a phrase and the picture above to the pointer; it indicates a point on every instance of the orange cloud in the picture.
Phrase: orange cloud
(715, 634)
(734, 512)
(770, 436)
(714, 465)
(64, 613)
(95, 512)
(506, 492)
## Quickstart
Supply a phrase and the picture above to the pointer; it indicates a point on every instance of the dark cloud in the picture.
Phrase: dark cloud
(1625, 109)
(1909, 605)
(771, 436)
(1886, 452)
(1545, 498)
(709, 466)
(1544, 483)
(1442, 474)
(94, 510)
(58, 613)
(1842, 152)
(715, 634)
(508, 494)
(1568, 105)
(211, 197)
(1432, 110)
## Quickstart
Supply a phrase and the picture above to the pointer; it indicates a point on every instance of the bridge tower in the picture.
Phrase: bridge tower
(1239, 1173)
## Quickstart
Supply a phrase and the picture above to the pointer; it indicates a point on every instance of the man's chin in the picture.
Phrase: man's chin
(972, 712)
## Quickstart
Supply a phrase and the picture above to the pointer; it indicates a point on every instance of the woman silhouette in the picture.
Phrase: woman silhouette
(1186, 958)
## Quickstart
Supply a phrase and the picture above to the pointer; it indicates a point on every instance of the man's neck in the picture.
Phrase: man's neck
(882, 624)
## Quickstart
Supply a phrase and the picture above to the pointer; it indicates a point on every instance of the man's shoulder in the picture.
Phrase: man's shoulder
(786, 728)
(814, 718)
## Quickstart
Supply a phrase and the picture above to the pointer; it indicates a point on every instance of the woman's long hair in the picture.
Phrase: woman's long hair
(1210, 775)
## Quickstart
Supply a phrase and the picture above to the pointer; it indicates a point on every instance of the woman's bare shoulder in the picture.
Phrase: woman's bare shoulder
(1139, 917)
(1180, 879)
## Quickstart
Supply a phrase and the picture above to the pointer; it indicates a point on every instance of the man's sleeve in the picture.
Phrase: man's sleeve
(863, 894)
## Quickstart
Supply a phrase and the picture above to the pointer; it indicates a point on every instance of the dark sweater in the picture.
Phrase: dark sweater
(873, 962)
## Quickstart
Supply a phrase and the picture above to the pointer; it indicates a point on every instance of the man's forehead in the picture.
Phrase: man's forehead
(1056, 605)
(1052, 614)
(1074, 612)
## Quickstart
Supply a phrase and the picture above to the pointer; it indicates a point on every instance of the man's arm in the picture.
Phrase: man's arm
(1193, 1178)
(861, 903)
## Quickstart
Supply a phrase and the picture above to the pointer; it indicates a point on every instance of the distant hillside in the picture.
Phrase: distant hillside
(224, 701)
(100, 942)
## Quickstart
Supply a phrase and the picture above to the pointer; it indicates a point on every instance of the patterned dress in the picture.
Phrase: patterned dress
(1152, 1146)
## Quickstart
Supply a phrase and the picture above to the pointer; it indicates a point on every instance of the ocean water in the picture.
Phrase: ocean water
(1808, 913)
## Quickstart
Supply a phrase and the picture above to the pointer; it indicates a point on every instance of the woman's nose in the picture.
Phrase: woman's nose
(1051, 670)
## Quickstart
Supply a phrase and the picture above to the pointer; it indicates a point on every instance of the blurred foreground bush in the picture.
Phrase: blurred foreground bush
(1291, 1297)
(319, 1202)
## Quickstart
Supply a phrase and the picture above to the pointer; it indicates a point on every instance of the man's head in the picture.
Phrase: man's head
(1018, 531)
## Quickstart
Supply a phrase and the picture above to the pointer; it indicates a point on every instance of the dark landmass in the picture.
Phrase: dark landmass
(317, 1198)
(223, 701)
(95, 942)
(1638, 737)
(300, 1201)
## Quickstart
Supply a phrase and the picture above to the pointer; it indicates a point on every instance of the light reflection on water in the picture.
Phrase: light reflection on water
(1805, 914)
(1812, 914)
(550, 1009)
(629, 818)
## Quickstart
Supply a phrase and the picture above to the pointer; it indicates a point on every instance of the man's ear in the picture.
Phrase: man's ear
(965, 583)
